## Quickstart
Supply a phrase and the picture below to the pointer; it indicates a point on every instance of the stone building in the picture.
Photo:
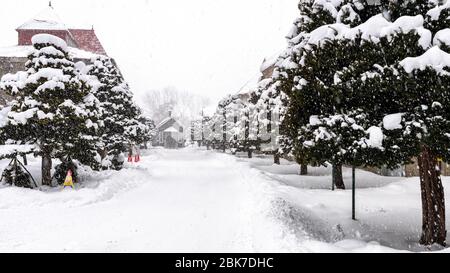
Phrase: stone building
(83, 43)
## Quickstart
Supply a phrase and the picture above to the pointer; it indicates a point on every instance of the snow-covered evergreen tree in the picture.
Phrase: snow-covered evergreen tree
(293, 77)
(123, 121)
(53, 108)
(389, 70)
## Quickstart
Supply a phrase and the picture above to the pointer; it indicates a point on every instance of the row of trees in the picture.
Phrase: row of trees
(72, 111)
(361, 83)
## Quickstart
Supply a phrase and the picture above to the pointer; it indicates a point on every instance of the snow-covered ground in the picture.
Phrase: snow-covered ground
(193, 200)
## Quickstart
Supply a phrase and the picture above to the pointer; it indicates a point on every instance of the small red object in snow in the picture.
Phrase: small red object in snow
(137, 158)
(130, 158)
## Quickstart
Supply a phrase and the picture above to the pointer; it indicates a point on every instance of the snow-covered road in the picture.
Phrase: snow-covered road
(193, 200)
(173, 200)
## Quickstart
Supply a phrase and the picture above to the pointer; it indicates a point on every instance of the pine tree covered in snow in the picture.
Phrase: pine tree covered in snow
(53, 107)
(410, 96)
(301, 75)
(123, 121)
(372, 93)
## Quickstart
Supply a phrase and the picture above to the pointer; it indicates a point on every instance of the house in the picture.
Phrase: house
(170, 134)
(83, 43)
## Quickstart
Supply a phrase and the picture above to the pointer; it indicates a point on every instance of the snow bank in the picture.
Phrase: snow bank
(434, 58)
(201, 201)
(49, 39)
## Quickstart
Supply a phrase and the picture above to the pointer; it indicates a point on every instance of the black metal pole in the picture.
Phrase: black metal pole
(353, 193)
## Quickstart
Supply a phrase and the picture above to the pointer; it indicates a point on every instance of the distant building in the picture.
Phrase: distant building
(47, 21)
(83, 43)
(170, 134)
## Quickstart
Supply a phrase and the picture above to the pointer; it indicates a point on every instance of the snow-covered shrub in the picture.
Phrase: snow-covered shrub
(15, 174)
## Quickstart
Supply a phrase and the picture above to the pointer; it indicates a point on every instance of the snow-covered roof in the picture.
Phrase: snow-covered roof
(88, 40)
(23, 51)
(171, 130)
(46, 19)
(164, 121)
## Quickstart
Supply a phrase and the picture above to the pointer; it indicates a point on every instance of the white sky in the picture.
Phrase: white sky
(209, 47)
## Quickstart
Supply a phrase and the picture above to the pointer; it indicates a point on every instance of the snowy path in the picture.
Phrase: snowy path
(184, 200)
(194, 200)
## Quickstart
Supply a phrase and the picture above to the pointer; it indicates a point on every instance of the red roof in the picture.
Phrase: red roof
(87, 40)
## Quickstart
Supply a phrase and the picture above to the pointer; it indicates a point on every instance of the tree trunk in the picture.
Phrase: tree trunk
(433, 202)
(303, 169)
(276, 158)
(338, 180)
(103, 153)
(46, 169)
(249, 153)
(25, 161)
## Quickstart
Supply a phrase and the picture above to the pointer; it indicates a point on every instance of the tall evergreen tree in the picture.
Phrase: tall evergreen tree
(53, 107)
(121, 116)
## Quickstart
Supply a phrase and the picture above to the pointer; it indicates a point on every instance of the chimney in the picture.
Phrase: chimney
(170, 113)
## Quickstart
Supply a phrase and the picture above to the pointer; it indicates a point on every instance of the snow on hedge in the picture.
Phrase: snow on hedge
(435, 12)
(375, 137)
(393, 121)
(14, 81)
(442, 37)
(329, 5)
(372, 30)
(434, 58)
(12, 149)
(49, 39)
